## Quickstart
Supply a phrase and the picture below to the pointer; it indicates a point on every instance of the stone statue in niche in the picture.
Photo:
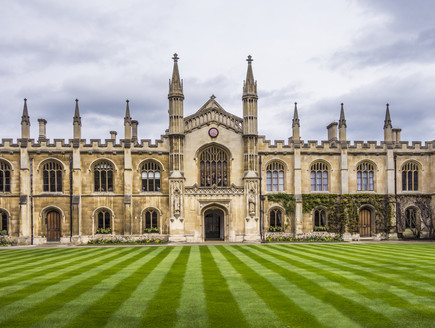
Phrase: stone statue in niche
(251, 198)
(177, 203)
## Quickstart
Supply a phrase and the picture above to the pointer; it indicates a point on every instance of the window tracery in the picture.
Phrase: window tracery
(213, 162)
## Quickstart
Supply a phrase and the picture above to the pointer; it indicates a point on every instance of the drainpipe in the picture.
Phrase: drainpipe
(31, 200)
(395, 191)
(70, 197)
(261, 203)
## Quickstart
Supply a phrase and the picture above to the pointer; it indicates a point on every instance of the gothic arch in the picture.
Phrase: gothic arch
(320, 160)
(8, 162)
(375, 166)
(138, 168)
(278, 160)
(50, 208)
(101, 159)
(54, 159)
(149, 208)
(210, 144)
(419, 165)
(112, 218)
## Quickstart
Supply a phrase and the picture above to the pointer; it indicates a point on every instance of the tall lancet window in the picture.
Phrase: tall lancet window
(52, 177)
(410, 177)
(151, 176)
(365, 177)
(319, 177)
(213, 162)
(275, 177)
(103, 176)
(5, 177)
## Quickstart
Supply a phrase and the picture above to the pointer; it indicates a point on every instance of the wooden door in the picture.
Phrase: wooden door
(53, 226)
(365, 223)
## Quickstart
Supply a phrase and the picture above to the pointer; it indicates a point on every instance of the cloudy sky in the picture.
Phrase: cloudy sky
(317, 53)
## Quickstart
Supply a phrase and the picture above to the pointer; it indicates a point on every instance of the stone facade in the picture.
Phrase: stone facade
(208, 178)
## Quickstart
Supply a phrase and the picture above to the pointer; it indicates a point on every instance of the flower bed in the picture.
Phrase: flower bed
(151, 230)
(305, 237)
(5, 241)
(127, 240)
(102, 231)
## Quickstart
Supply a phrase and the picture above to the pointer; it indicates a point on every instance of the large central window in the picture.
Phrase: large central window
(213, 163)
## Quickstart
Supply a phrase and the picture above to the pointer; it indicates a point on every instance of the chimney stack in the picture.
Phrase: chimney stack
(134, 125)
(113, 135)
(42, 129)
(332, 131)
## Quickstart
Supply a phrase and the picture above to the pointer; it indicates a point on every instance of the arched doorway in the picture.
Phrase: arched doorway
(214, 224)
(53, 226)
(365, 222)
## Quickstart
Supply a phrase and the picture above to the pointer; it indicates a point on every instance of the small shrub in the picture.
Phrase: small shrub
(306, 237)
(151, 230)
(4, 241)
(320, 228)
(275, 229)
(102, 231)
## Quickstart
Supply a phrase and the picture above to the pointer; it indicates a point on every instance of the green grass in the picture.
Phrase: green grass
(293, 285)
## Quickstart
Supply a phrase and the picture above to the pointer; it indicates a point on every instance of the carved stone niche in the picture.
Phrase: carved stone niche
(207, 202)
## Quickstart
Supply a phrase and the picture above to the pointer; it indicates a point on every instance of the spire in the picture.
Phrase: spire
(342, 122)
(77, 119)
(25, 117)
(250, 85)
(295, 116)
(387, 122)
(176, 84)
(127, 118)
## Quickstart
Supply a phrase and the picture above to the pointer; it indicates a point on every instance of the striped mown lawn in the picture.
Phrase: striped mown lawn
(297, 285)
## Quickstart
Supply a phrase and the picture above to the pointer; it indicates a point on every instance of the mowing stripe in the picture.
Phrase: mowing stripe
(271, 299)
(130, 313)
(192, 311)
(100, 304)
(162, 308)
(49, 258)
(17, 256)
(56, 286)
(357, 311)
(321, 311)
(393, 276)
(257, 314)
(369, 290)
(222, 309)
(38, 280)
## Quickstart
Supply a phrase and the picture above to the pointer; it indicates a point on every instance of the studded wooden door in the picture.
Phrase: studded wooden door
(53, 226)
(365, 223)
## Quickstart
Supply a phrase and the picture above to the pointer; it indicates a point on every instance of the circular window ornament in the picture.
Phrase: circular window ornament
(213, 132)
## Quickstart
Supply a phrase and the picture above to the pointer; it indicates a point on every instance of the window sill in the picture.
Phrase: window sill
(366, 192)
(52, 193)
(102, 193)
(320, 192)
(410, 192)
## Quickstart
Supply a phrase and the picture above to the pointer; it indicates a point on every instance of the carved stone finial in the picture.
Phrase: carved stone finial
(175, 58)
(212, 97)
(249, 60)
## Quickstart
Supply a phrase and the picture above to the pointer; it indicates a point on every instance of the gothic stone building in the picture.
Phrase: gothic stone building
(213, 177)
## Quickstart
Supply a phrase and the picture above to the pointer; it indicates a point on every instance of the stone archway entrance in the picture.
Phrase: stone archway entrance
(214, 224)
(53, 226)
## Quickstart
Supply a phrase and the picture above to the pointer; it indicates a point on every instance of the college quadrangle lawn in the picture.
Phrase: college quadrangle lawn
(295, 285)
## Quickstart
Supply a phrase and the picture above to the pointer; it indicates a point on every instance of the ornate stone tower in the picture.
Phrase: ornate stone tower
(250, 140)
(77, 122)
(176, 160)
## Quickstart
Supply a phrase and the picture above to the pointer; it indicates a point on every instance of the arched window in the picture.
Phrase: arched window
(52, 177)
(365, 177)
(151, 221)
(320, 223)
(4, 223)
(319, 177)
(410, 177)
(104, 221)
(103, 176)
(275, 218)
(151, 176)
(410, 218)
(213, 163)
(275, 176)
(5, 177)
